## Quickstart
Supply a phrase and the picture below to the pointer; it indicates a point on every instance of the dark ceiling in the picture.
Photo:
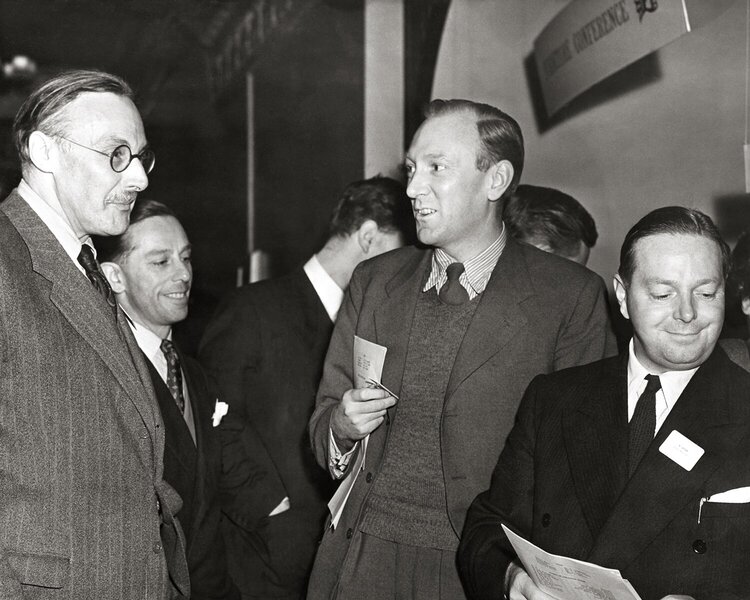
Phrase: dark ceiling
(161, 47)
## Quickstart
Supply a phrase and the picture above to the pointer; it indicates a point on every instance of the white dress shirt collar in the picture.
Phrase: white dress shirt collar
(150, 344)
(673, 383)
(330, 294)
(52, 215)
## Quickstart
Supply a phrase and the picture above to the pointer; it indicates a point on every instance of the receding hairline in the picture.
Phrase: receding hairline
(638, 243)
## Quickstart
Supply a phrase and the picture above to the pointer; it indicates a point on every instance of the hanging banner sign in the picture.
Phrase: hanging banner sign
(592, 39)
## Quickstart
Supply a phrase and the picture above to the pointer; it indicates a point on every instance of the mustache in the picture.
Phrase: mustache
(122, 197)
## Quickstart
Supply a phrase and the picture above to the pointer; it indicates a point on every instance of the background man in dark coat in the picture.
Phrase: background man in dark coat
(639, 462)
(265, 347)
(467, 324)
(150, 272)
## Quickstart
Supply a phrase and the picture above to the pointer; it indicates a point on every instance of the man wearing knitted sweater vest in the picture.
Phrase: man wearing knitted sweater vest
(467, 323)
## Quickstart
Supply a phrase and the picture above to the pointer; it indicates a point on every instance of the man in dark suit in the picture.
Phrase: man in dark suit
(265, 347)
(84, 510)
(466, 325)
(149, 270)
(639, 462)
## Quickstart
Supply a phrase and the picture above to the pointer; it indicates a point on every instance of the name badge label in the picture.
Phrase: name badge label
(681, 450)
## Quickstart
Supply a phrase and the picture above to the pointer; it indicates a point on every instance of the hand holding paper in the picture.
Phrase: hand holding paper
(362, 409)
(359, 413)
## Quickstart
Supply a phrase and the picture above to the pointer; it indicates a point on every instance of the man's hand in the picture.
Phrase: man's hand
(520, 586)
(360, 412)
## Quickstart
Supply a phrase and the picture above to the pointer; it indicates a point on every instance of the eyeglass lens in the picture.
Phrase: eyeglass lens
(122, 156)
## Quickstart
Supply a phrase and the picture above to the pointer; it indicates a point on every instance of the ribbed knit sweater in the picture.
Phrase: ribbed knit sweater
(407, 503)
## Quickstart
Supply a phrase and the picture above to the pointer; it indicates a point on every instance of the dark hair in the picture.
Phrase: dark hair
(548, 216)
(43, 110)
(676, 220)
(500, 136)
(380, 199)
(116, 247)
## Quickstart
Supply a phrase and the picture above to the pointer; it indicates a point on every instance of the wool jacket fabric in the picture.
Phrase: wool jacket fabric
(562, 482)
(84, 509)
(538, 313)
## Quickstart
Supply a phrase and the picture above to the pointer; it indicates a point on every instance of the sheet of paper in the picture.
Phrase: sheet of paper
(568, 578)
(368, 359)
(337, 503)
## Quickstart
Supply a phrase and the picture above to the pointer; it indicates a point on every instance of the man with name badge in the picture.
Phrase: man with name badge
(639, 462)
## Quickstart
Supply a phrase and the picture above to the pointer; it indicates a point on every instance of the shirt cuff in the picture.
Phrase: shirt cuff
(338, 462)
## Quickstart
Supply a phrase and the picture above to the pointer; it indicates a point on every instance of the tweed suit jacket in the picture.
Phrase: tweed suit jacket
(265, 347)
(81, 438)
(538, 313)
(562, 482)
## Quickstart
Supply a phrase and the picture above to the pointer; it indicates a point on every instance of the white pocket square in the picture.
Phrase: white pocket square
(735, 496)
(220, 410)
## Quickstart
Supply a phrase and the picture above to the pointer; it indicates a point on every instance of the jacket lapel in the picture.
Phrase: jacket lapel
(707, 415)
(81, 305)
(595, 436)
(498, 316)
(394, 317)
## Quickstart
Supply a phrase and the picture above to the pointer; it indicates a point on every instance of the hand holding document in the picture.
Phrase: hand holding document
(568, 578)
(367, 361)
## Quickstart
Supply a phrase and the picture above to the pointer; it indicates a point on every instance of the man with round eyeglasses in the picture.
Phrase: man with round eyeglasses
(84, 509)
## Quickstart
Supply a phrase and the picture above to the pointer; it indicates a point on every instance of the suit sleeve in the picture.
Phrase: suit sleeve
(485, 552)
(250, 487)
(10, 586)
(587, 336)
(337, 371)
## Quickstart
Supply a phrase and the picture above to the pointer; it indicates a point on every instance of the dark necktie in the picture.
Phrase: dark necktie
(174, 373)
(643, 424)
(98, 280)
(452, 291)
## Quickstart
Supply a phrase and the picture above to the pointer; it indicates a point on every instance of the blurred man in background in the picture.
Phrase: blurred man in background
(552, 221)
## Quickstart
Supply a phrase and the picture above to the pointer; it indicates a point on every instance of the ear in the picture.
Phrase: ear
(366, 234)
(114, 275)
(746, 306)
(501, 174)
(621, 293)
(43, 151)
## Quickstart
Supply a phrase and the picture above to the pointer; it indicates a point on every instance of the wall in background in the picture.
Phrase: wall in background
(667, 130)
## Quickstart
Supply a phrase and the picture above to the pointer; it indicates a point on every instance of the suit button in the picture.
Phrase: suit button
(157, 548)
(349, 533)
(546, 519)
(699, 547)
(368, 478)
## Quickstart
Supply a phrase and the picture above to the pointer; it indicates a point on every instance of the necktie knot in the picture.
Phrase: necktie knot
(87, 260)
(653, 384)
(174, 373)
(452, 291)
